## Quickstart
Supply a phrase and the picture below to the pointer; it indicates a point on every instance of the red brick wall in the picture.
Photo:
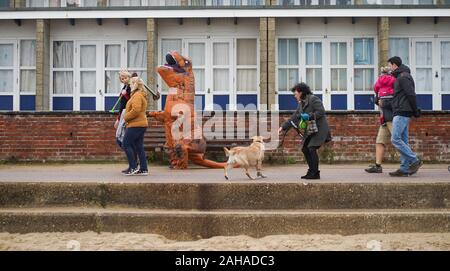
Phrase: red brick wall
(90, 136)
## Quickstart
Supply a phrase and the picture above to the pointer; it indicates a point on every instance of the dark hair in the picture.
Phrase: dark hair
(134, 74)
(302, 88)
(395, 60)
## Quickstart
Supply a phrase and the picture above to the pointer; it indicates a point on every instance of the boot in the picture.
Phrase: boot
(313, 176)
(307, 174)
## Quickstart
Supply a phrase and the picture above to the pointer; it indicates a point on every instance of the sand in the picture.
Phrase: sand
(132, 241)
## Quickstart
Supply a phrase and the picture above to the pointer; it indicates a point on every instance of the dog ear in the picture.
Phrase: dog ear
(227, 151)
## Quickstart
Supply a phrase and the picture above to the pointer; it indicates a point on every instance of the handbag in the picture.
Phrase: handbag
(312, 126)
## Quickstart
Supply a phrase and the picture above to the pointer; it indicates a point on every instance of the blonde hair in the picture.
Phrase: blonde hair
(385, 70)
(125, 73)
(137, 83)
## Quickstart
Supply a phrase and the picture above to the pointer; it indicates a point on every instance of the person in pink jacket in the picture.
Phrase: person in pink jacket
(384, 91)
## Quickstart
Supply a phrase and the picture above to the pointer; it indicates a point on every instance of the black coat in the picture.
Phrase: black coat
(404, 102)
(313, 106)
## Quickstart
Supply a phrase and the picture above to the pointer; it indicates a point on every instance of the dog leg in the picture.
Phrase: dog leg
(248, 173)
(226, 168)
(259, 169)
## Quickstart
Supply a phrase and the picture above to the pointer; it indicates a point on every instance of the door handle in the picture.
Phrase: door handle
(326, 90)
(436, 75)
(209, 90)
(100, 92)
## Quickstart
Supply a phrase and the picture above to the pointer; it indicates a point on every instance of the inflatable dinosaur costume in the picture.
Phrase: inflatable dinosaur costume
(179, 115)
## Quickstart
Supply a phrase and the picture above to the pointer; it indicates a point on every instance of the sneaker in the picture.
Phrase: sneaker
(125, 170)
(374, 169)
(130, 172)
(142, 173)
(398, 173)
(415, 167)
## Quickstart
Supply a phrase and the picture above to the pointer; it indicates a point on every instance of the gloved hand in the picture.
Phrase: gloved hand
(304, 116)
(418, 113)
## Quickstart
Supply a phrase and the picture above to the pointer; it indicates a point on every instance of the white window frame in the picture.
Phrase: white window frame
(25, 68)
(15, 92)
(136, 69)
(311, 66)
(126, 3)
(77, 76)
(231, 77)
(278, 66)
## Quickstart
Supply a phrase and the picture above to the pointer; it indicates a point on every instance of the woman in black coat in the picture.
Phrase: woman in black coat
(309, 107)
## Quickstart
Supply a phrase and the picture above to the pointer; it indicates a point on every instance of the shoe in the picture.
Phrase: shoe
(398, 173)
(313, 176)
(307, 174)
(125, 170)
(374, 169)
(141, 173)
(415, 167)
(130, 172)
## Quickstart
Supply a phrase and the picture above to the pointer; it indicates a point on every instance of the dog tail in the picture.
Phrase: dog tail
(227, 151)
(198, 159)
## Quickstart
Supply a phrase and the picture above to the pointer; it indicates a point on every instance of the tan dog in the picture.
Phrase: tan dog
(245, 157)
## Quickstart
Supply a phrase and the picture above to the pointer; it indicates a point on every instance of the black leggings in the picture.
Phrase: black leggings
(311, 156)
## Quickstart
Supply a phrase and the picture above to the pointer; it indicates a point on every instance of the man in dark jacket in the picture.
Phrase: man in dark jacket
(404, 107)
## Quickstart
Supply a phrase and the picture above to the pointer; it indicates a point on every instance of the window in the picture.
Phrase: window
(399, 47)
(112, 68)
(88, 67)
(61, 3)
(63, 56)
(338, 66)
(445, 66)
(28, 66)
(6, 67)
(5, 3)
(424, 63)
(137, 58)
(168, 45)
(313, 58)
(196, 51)
(246, 67)
(221, 66)
(288, 63)
(363, 56)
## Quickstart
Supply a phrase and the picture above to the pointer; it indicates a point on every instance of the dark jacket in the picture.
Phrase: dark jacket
(124, 99)
(313, 106)
(404, 101)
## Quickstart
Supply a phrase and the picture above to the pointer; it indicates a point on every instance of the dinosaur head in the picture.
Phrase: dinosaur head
(175, 69)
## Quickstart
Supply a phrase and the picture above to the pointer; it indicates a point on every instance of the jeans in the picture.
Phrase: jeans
(311, 156)
(399, 139)
(134, 140)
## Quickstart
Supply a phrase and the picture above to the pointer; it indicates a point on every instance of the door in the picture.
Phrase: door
(88, 90)
(337, 93)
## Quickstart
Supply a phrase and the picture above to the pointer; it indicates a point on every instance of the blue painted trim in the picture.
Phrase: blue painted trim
(445, 101)
(364, 102)
(88, 104)
(199, 102)
(287, 102)
(425, 101)
(62, 103)
(221, 102)
(109, 103)
(27, 102)
(247, 102)
(6, 102)
(338, 101)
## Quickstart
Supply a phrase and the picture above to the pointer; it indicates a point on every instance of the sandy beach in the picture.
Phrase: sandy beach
(131, 241)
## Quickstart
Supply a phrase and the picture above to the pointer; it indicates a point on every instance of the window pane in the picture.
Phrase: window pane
(199, 79)
(363, 54)
(293, 52)
(399, 47)
(116, 3)
(282, 52)
(88, 82)
(6, 55)
(143, 75)
(246, 52)
(282, 80)
(28, 81)
(246, 80)
(423, 53)
(90, 3)
(445, 53)
(62, 82)
(314, 79)
(313, 53)
(168, 45)
(424, 80)
(112, 83)
(293, 77)
(6, 81)
(28, 53)
(197, 53)
(221, 80)
(63, 54)
(112, 56)
(137, 54)
(445, 80)
(221, 54)
(364, 79)
(338, 53)
(338, 79)
(88, 56)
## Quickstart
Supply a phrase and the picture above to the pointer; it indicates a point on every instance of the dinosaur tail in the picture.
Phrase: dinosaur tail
(199, 160)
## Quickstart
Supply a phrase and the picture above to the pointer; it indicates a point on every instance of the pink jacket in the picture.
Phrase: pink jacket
(384, 85)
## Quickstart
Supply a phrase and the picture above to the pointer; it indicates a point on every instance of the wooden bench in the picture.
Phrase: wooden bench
(155, 138)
